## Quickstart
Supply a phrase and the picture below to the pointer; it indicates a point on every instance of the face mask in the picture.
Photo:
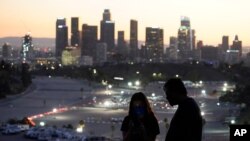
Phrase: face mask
(139, 111)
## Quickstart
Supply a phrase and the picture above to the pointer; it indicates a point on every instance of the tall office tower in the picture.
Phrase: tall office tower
(121, 45)
(154, 44)
(108, 31)
(237, 45)
(101, 53)
(74, 32)
(171, 51)
(27, 51)
(6, 50)
(197, 52)
(185, 38)
(173, 42)
(225, 43)
(89, 40)
(199, 44)
(133, 42)
(106, 16)
(61, 36)
(193, 39)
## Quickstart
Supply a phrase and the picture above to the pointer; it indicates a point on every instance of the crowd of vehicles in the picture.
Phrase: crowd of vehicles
(41, 133)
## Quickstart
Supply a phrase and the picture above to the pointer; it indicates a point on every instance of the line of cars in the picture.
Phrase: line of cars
(13, 128)
(48, 133)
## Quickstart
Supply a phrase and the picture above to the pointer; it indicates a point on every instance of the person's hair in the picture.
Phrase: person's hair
(175, 85)
(139, 97)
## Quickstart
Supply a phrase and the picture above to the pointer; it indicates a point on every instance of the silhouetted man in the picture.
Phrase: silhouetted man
(186, 124)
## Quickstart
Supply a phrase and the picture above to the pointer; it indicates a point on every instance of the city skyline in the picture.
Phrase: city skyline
(210, 19)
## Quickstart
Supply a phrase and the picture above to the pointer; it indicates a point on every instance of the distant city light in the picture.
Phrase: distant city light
(225, 84)
(79, 130)
(202, 113)
(232, 121)
(42, 123)
(177, 75)
(107, 103)
(54, 110)
(153, 94)
(129, 84)
(224, 89)
(137, 83)
(118, 78)
(109, 86)
(218, 104)
(94, 71)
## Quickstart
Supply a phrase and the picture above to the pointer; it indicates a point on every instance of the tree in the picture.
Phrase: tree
(4, 79)
(25, 75)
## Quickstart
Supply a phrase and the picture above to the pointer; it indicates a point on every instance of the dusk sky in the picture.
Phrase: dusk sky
(211, 19)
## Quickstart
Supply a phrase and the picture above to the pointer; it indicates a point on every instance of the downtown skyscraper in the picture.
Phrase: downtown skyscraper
(89, 40)
(237, 45)
(154, 44)
(121, 45)
(27, 52)
(108, 31)
(61, 36)
(186, 39)
(75, 31)
(225, 43)
(133, 42)
(6, 50)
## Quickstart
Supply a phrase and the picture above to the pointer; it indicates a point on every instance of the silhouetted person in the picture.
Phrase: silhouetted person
(141, 123)
(186, 124)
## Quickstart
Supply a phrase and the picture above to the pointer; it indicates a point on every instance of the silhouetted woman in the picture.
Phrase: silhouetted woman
(141, 123)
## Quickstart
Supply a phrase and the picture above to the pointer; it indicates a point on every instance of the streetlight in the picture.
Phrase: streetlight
(154, 74)
(129, 84)
(232, 121)
(224, 89)
(153, 94)
(203, 92)
(42, 123)
(94, 71)
(202, 113)
(225, 84)
(137, 83)
(109, 86)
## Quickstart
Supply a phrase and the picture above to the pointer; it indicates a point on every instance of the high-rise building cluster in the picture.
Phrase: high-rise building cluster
(85, 48)
(181, 48)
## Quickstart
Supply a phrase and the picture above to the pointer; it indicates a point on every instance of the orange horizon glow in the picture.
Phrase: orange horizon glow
(211, 19)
